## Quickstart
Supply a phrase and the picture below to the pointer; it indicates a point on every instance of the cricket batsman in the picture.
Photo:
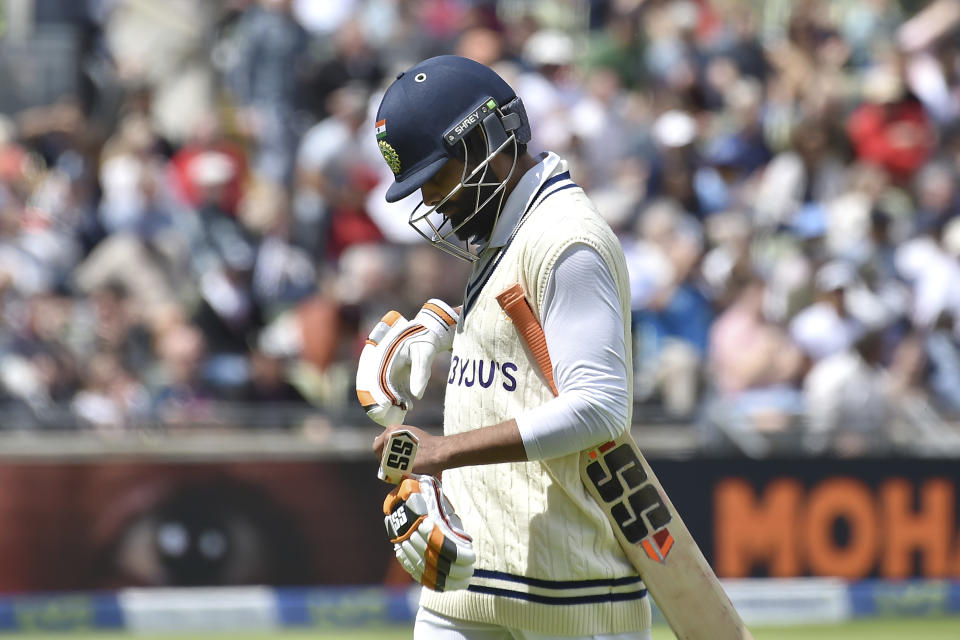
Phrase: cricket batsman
(511, 545)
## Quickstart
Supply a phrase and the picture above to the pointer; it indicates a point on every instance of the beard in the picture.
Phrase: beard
(479, 226)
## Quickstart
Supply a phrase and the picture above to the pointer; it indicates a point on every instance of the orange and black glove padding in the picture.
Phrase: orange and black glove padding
(397, 359)
(427, 536)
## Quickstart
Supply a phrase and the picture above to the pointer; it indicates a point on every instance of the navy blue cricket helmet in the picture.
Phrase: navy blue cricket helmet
(425, 116)
(423, 107)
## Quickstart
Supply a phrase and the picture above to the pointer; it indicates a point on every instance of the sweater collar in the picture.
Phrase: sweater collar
(523, 195)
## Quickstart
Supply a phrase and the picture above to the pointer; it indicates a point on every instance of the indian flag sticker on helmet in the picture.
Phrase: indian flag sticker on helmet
(382, 129)
(390, 155)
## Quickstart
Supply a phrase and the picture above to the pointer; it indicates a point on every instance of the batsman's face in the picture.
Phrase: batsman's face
(463, 204)
(443, 182)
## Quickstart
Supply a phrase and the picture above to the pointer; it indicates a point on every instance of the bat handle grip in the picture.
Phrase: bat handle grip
(514, 303)
(399, 453)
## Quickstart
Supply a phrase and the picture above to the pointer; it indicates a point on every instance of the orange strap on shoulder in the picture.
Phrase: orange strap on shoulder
(514, 303)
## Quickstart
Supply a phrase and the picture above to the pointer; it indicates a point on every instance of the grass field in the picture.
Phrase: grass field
(876, 629)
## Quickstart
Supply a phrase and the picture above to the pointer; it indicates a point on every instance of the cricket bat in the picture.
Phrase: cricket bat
(645, 522)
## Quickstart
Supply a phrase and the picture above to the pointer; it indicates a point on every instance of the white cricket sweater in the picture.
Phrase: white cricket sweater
(547, 558)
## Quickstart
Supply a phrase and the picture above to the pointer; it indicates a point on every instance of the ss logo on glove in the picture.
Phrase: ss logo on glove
(398, 518)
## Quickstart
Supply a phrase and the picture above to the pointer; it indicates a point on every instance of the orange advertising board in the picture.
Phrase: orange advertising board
(850, 518)
(840, 526)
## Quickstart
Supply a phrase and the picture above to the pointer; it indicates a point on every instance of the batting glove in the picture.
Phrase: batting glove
(428, 537)
(396, 361)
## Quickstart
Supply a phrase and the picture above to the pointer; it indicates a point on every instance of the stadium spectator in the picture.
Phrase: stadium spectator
(181, 396)
(891, 128)
(268, 382)
(209, 157)
(754, 367)
(672, 316)
(270, 47)
(826, 327)
(331, 155)
(848, 401)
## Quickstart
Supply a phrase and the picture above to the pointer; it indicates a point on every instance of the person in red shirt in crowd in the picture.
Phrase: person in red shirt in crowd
(891, 129)
(209, 156)
(349, 222)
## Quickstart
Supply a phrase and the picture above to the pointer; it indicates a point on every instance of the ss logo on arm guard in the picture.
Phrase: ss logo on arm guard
(637, 507)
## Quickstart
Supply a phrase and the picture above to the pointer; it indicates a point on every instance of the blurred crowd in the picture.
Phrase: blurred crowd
(200, 220)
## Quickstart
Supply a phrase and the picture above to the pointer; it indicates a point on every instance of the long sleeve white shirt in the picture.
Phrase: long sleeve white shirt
(584, 329)
(583, 324)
